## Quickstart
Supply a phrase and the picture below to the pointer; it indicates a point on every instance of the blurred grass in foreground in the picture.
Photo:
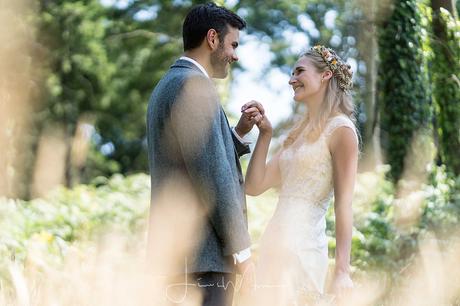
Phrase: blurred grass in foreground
(86, 246)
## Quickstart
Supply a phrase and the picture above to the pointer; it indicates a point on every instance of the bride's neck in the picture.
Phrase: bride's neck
(313, 113)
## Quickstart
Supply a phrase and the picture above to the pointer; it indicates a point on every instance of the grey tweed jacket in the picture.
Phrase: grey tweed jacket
(188, 133)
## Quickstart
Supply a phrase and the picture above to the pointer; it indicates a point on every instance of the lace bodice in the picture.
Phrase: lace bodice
(306, 168)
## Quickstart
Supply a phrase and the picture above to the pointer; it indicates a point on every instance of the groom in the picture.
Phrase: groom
(188, 133)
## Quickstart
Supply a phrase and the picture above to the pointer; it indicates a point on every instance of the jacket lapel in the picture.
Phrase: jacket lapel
(240, 172)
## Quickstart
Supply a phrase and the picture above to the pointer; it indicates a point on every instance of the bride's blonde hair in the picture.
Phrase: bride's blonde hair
(336, 100)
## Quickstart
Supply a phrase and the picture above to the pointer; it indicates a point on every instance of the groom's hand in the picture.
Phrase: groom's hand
(251, 113)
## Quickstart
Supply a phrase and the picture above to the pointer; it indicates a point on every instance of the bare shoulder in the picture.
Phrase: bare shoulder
(343, 139)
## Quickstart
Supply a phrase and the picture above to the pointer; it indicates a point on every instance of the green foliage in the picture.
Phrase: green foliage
(374, 234)
(446, 87)
(70, 215)
(380, 239)
(102, 64)
(142, 50)
(104, 61)
(442, 209)
(381, 243)
(403, 97)
(79, 69)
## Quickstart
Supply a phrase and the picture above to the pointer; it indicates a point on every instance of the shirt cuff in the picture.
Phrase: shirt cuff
(242, 256)
(242, 140)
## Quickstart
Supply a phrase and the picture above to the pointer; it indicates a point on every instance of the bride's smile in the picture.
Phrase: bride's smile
(305, 80)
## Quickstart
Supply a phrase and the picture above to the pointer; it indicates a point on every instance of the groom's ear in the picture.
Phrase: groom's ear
(212, 38)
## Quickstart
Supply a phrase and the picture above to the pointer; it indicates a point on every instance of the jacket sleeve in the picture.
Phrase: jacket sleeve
(197, 125)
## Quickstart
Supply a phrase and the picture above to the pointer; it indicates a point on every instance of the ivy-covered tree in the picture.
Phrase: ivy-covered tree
(403, 97)
(446, 82)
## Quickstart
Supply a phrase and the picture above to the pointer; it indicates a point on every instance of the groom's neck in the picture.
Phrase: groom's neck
(202, 57)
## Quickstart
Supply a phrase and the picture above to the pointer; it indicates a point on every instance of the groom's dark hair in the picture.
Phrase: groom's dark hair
(204, 17)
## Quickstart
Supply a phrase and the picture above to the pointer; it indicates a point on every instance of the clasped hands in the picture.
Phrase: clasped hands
(253, 113)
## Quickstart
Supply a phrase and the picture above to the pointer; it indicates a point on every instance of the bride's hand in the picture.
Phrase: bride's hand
(265, 126)
(342, 284)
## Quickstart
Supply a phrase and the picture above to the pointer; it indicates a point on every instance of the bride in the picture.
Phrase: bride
(318, 159)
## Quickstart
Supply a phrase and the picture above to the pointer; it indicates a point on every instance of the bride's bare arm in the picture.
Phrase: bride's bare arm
(260, 175)
(344, 150)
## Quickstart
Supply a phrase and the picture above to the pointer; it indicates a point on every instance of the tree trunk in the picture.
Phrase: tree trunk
(49, 170)
(70, 131)
(78, 143)
(368, 46)
(20, 90)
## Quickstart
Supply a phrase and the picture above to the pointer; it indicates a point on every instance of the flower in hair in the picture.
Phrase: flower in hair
(341, 70)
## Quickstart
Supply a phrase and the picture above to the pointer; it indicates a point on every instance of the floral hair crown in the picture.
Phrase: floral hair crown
(340, 69)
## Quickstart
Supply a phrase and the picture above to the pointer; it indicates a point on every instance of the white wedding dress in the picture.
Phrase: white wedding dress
(293, 254)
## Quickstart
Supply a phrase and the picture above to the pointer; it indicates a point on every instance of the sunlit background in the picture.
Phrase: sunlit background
(75, 79)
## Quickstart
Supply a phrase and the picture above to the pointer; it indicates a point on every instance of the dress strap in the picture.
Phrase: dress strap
(340, 121)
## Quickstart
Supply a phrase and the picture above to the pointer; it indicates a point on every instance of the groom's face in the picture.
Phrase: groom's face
(225, 54)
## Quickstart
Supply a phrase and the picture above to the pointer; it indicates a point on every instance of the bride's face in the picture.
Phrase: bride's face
(305, 80)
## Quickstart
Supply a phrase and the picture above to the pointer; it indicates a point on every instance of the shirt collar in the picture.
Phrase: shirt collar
(191, 60)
